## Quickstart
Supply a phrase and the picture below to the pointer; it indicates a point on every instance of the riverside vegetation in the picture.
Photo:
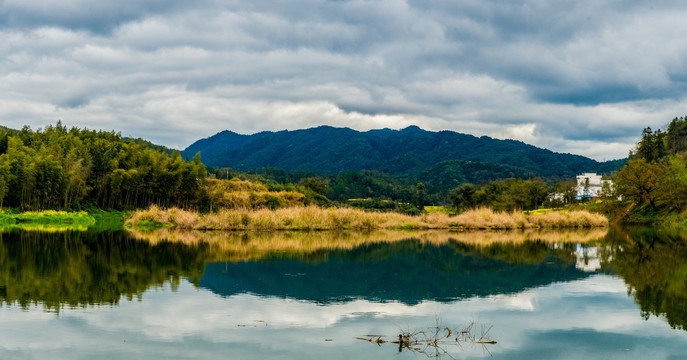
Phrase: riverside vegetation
(655, 178)
(316, 218)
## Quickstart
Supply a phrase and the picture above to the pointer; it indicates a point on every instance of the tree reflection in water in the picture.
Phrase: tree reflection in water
(654, 267)
(75, 269)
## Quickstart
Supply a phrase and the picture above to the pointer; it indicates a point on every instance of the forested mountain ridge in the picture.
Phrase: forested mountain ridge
(410, 152)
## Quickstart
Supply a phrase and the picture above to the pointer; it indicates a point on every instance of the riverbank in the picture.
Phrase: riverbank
(667, 219)
(315, 218)
(52, 220)
(45, 219)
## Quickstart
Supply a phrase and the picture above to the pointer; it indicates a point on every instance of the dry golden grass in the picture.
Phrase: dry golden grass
(487, 219)
(315, 218)
(254, 245)
(568, 219)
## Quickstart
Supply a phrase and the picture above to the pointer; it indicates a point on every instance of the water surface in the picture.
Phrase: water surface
(81, 294)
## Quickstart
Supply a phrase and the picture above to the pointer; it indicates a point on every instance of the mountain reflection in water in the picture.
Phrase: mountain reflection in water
(409, 271)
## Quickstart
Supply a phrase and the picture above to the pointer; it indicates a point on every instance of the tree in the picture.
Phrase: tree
(652, 145)
(676, 136)
(463, 197)
(644, 147)
(639, 181)
(607, 192)
(673, 185)
(421, 194)
(585, 189)
(659, 147)
(526, 194)
(317, 184)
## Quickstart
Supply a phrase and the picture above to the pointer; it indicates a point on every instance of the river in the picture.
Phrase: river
(70, 294)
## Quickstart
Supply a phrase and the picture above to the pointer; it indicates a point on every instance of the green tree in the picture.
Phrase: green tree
(676, 136)
(421, 195)
(586, 188)
(652, 145)
(673, 185)
(317, 184)
(607, 192)
(463, 197)
(639, 181)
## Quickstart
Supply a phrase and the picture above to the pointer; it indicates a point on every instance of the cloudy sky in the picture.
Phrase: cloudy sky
(581, 76)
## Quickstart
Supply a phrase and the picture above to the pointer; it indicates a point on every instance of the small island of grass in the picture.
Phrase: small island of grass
(317, 218)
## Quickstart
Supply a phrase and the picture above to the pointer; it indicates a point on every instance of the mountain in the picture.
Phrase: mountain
(410, 152)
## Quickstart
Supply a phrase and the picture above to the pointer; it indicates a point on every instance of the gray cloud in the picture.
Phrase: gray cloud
(581, 77)
(95, 16)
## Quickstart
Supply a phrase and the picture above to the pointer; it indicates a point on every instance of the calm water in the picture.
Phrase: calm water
(288, 296)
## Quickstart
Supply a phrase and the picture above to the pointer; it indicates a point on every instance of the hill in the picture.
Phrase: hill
(410, 152)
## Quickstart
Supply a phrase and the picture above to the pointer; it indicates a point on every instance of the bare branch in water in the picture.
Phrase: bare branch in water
(435, 341)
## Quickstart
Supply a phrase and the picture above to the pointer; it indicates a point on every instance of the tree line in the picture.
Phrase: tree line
(56, 167)
(655, 175)
(506, 195)
(379, 191)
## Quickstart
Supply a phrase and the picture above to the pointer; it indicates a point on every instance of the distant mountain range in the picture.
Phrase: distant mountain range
(410, 152)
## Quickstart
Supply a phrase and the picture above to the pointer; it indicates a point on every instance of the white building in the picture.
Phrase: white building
(589, 185)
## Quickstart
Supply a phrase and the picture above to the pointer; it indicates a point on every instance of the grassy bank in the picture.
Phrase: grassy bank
(51, 220)
(315, 218)
(643, 214)
(47, 217)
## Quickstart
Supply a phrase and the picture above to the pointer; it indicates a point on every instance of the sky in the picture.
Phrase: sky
(582, 77)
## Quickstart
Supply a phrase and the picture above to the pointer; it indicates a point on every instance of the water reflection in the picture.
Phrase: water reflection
(654, 267)
(240, 246)
(87, 268)
(409, 271)
(98, 268)
(262, 295)
(77, 269)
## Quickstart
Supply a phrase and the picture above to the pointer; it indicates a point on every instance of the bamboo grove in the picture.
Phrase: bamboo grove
(60, 168)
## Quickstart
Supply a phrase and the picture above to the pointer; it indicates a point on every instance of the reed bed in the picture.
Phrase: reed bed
(315, 218)
(487, 219)
(568, 219)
